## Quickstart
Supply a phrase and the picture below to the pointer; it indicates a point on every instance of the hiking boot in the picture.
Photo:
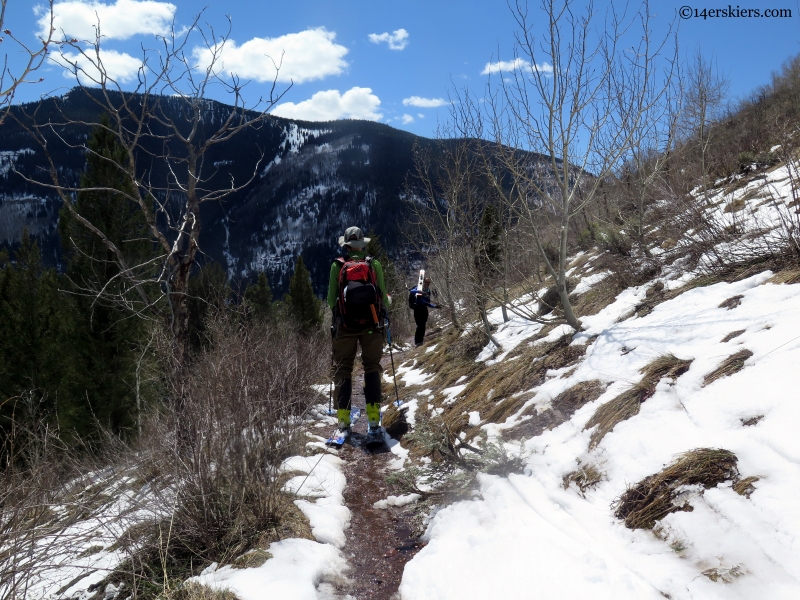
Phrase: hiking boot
(344, 418)
(374, 415)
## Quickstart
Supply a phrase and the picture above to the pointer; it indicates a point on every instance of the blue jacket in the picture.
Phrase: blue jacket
(417, 297)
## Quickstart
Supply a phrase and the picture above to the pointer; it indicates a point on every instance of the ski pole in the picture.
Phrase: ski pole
(391, 355)
(330, 389)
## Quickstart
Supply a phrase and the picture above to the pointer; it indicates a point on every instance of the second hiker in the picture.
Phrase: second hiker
(419, 299)
(357, 297)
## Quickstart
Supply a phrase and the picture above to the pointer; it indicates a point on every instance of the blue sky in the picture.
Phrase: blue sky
(394, 62)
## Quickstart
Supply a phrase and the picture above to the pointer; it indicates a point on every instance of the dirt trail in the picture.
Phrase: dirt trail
(379, 542)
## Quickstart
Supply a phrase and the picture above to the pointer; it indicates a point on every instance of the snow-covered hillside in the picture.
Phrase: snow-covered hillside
(527, 536)
(552, 530)
(683, 369)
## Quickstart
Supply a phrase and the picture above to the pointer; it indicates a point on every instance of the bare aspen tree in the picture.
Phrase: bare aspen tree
(448, 203)
(165, 124)
(703, 96)
(577, 96)
(33, 58)
(651, 147)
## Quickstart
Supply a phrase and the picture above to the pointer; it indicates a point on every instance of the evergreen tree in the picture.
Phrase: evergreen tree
(395, 286)
(302, 305)
(489, 253)
(105, 334)
(259, 299)
(30, 364)
(209, 292)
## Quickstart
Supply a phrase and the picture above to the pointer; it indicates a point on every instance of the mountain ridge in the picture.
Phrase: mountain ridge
(314, 179)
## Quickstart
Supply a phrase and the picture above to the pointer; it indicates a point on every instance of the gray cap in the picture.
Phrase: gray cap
(354, 238)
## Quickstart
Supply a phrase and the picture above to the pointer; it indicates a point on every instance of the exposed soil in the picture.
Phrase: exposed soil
(379, 542)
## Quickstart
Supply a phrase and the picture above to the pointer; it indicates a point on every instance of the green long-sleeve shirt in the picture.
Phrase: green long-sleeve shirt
(336, 268)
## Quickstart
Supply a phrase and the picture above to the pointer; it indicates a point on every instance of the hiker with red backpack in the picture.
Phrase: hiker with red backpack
(357, 297)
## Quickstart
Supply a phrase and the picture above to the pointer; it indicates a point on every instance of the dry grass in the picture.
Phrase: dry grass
(585, 477)
(732, 335)
(469, 345)
(733, 364)
(744, 487)
(561, 409)
(626, 405)
(196, 591)
(498, 391)
(451, 359)
(732, 302)
(666, 365)
(252, 559)
(615, 411)
(787, 276)
(654, 497)
(597, 298)
(718, 574)
(735, 205)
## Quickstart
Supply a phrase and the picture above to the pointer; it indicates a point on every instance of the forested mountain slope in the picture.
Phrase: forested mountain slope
(312, 181)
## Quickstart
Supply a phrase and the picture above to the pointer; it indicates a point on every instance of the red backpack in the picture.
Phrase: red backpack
(359, 300)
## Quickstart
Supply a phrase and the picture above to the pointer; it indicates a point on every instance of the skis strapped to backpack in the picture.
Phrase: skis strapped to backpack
(359, 301)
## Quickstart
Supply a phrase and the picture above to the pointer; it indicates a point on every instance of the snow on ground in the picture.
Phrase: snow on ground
(298, 568)
(85, 552)
(396, 501)
(529, 537)
(324, 482)
(451, 393)
(585, 284)
(295, 571)
(512, 332)
(411, 376)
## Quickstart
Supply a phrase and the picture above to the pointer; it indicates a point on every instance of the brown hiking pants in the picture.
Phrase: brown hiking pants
(345, 346)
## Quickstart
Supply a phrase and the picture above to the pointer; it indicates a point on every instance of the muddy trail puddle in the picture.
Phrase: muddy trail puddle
(379, 541)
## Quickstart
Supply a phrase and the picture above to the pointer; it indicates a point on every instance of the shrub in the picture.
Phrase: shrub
(655, 496)
(452, 473)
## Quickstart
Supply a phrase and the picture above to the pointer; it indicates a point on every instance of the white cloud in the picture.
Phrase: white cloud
(424, 102)
(407, 119)
(118, 21)
(397, 40)
(119, 66)
(420, 115)
(513, 65)
(355, 103)
(305, 56)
